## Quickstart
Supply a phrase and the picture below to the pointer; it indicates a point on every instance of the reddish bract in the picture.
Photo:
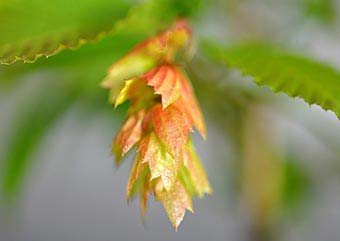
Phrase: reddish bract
(129, 135)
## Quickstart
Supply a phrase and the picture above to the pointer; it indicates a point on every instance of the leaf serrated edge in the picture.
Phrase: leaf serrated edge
(119, 24)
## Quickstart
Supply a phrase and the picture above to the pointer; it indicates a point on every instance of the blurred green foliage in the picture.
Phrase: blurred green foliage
(296, 185)
(33, 122)
(323, 10)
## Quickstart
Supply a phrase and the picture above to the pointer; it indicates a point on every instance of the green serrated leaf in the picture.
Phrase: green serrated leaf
(30, 29)
(281, 71)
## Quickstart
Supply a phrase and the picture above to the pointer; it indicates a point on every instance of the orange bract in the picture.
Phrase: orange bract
(175, 201)
(172, 128)
(173, 86)
(161, 163)
(165, 81)
(188, 105)
(129, 134)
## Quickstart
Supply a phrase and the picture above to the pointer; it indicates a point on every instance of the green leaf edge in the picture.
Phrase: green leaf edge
(217, 54)
(72, 44)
